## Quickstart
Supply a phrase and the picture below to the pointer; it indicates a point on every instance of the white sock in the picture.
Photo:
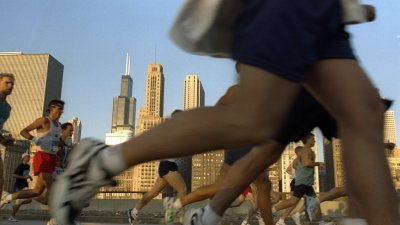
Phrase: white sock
(281, 220)
(114, 162)
(209, 216)
(354, 221)
(177, 204)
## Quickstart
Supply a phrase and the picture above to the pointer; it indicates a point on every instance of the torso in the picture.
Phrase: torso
(50, 139)
(5, 109)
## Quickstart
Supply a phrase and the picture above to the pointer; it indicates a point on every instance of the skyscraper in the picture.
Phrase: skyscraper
(122, 129)
(193, 98)
(206, 166)
(149, 116)
(124, 106)
(193, 92)
(389, 131)
(335, 174)
(393, 156)
(77, 125)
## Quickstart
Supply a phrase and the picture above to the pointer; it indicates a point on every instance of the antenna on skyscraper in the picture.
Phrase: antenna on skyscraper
(127, 64)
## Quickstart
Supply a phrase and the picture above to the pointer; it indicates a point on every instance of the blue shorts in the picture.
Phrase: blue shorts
(286, 37)
(233, 155)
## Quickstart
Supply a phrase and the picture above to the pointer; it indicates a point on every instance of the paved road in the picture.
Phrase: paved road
(41, 222)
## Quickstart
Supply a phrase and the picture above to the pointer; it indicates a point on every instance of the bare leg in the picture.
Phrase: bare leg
(31, 193)
(206, 191)
(18, 205)
(288, 204)
(243, 172)
(334, 193)
(176, 181)
(158, 186)
(359, 112)
(263, 198)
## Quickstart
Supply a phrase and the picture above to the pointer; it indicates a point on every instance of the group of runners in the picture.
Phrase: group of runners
(296, 71)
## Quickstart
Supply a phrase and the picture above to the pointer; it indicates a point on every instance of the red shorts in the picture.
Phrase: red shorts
(246, 191)
(44, 163)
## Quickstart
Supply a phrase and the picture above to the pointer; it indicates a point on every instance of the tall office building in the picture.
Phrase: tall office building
(193, 92)
(122, 129)
(393, 156)
(389, 131)
(193, 97)
(149, 116)
(124, 106)
(124, 180)
(206, 166)
(38, 80)
(335, 174)
(77, 125)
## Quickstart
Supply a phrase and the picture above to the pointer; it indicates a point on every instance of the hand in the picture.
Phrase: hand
(7, 140)
(370, 12)
(321, 164)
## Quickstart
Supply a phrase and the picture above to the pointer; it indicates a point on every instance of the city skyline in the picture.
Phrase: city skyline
(92, 47)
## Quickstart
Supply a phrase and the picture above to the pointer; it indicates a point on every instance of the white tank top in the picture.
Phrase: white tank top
(50, 140)
(293, 171)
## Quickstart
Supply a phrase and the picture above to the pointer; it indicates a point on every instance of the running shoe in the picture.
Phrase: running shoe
(193, 217)
(259, 218)
(80, 182)
(132, 217)
(170, 210)
(12, 219)
(280, 222)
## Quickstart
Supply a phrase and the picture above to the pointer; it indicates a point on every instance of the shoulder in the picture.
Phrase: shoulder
(43, 120)
(5, 105)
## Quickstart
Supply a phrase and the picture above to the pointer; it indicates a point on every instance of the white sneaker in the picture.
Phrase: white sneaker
(280, 222)
(80, 182)
(132, 217)
(170, 210)
(193, 217)
(4, 200)
(296, 218)
(245, 222)
(259, 218)
(12, 219)
(52, 221)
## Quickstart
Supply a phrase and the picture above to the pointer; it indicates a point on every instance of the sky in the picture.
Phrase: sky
(91, 39)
